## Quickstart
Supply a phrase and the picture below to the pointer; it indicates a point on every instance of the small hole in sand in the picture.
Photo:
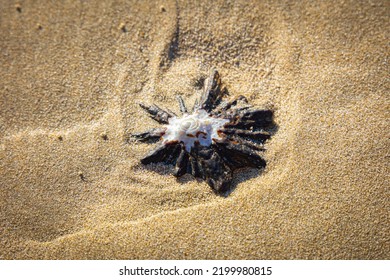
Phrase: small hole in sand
(81, 175)
(18, 8)
(104, 136)
(122, 27)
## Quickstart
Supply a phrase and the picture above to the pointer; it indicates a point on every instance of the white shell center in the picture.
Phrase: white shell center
(198, 126)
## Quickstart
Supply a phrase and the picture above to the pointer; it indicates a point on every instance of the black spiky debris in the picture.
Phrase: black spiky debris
(203, 150)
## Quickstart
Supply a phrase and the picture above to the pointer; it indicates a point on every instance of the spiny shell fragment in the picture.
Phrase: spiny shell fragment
(213, 140)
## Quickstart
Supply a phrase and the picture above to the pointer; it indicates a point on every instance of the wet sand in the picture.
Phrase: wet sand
(72, 73)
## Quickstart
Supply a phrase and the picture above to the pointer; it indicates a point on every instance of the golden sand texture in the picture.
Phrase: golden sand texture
(71, 73)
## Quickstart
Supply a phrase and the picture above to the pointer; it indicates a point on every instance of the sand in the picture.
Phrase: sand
(72, 187)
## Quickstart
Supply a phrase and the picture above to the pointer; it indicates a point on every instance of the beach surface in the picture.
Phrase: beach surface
(72, 73)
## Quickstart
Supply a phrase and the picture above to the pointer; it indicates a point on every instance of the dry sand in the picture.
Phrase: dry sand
(71, 72)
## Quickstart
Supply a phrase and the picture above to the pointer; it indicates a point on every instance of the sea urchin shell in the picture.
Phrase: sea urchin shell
(213, 140)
